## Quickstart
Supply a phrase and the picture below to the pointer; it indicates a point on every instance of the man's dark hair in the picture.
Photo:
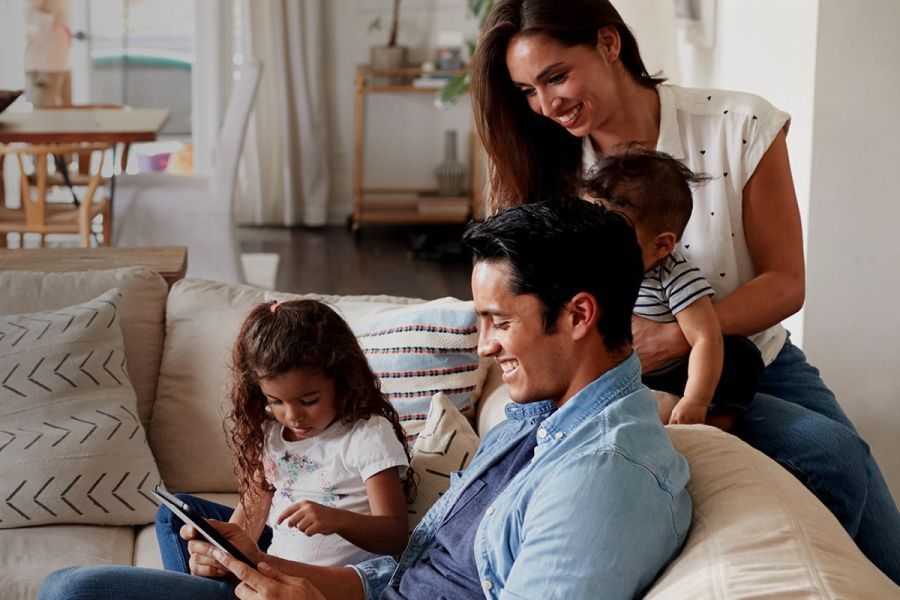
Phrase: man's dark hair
(651, 188)
(559, 248)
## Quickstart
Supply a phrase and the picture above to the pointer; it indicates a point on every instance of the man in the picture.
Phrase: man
(579, 493)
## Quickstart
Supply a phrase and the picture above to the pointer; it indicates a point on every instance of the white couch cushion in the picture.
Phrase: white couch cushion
(28, 555)
(446, 443)
(142, 306)
(203, 319)
(757, 532)
(72, 449)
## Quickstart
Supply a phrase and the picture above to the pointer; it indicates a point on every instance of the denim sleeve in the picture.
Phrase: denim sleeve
(375, 575)
(602, 526)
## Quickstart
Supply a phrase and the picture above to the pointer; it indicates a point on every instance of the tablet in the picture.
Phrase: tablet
(190, 517)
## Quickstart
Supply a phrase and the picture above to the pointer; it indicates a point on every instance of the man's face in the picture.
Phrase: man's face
(535, 364)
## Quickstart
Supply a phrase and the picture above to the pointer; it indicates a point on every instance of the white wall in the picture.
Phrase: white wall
(852, 324)
(12, 44)
(766, 47)
(833, 65)
(404, 133)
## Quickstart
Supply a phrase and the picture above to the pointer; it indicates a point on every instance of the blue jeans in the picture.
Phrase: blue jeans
(116, 581)
(796, 420)
(113, 581)
(173, 549)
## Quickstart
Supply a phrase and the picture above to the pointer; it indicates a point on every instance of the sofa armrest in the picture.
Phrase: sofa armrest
(757, 531)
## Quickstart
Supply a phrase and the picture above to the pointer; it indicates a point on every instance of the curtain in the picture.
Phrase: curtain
(283, 178)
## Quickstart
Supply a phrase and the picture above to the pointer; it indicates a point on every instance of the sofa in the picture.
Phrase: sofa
(756, 531)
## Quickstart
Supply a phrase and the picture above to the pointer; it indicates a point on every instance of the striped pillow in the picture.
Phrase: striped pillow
(423, 349)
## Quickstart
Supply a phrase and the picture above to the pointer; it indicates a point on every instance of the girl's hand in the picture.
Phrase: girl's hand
(202, 562)
(311, 518)
(687, 412)
(657, 343)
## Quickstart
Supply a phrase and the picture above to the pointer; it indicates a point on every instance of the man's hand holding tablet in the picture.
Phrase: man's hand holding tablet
(219, 534)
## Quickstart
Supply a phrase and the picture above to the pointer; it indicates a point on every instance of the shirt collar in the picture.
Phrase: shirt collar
(619, 381)
(669, 133)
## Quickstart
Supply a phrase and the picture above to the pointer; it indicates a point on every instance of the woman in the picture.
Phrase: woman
(556, 85)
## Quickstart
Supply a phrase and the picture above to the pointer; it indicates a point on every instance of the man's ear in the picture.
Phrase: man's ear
(583, 314)
(609, 44)
(663, 244)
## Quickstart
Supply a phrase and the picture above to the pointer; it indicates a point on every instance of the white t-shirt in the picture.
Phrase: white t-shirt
(330, 469)
(725, 135)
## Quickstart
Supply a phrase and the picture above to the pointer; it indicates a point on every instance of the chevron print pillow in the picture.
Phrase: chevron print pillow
(72, 449)
(446, 443)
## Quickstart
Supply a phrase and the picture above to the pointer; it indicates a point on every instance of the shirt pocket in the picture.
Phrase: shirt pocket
(468, 494)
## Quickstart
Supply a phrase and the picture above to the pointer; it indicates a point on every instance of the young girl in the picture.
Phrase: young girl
(322, 467)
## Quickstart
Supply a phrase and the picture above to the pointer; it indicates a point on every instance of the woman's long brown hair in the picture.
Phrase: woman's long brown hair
(294, 335)
(531, 157)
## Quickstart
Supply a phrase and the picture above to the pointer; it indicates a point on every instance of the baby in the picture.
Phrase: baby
(719, 377)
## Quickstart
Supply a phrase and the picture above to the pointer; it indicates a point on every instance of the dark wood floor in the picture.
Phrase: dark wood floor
(402, 261)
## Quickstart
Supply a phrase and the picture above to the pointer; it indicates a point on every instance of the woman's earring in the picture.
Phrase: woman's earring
(268, 410)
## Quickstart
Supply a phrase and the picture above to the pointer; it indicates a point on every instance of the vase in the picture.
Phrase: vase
(451, 174)
(388, 58)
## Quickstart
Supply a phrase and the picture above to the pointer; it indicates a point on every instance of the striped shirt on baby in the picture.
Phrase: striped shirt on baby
(670, 287)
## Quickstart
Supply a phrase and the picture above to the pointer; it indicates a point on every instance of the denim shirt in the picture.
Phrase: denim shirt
(599, 511)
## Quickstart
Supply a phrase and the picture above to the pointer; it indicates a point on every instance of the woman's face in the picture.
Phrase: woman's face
(575, 86)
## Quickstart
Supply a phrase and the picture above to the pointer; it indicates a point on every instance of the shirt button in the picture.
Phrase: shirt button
(542, 433)
(486, 585)
(490, 510)
(558, 435)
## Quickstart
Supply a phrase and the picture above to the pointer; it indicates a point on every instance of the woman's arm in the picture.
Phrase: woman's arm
(251, 513)
(775, 242)
(385, 531)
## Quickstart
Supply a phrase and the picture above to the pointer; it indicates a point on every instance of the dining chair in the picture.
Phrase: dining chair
(80, 175)
(38, 215)
(158, 209)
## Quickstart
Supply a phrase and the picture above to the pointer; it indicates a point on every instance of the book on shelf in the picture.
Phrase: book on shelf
(435, 81)
(443, 206)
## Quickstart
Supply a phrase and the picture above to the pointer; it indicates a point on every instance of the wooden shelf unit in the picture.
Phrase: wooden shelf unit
(403, 205)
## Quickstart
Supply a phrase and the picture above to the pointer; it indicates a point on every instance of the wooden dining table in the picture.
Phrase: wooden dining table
(73, 125)
(63, 125)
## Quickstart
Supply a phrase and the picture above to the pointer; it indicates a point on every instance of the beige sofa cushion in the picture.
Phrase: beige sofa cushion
(186, 432)
(203, 318)
(143, 306)
(758, 533)
(446, 443)
(28, 555)
(72, 449)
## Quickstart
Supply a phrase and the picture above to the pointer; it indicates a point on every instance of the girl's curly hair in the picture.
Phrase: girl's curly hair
(277, 338)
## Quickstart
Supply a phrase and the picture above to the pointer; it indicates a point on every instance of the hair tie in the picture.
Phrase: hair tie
(274, 306)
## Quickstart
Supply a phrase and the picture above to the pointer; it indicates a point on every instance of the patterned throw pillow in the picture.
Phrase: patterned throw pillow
(446, 443)
(72, 449)
(423, 349)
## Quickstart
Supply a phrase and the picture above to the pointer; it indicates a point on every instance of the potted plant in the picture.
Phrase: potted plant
(390, 56)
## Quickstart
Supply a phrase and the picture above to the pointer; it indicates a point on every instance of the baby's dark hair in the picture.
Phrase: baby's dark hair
(650, 188)
(279, 337)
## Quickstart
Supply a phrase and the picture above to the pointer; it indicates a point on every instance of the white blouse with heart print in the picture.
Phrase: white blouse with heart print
(723, 134)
